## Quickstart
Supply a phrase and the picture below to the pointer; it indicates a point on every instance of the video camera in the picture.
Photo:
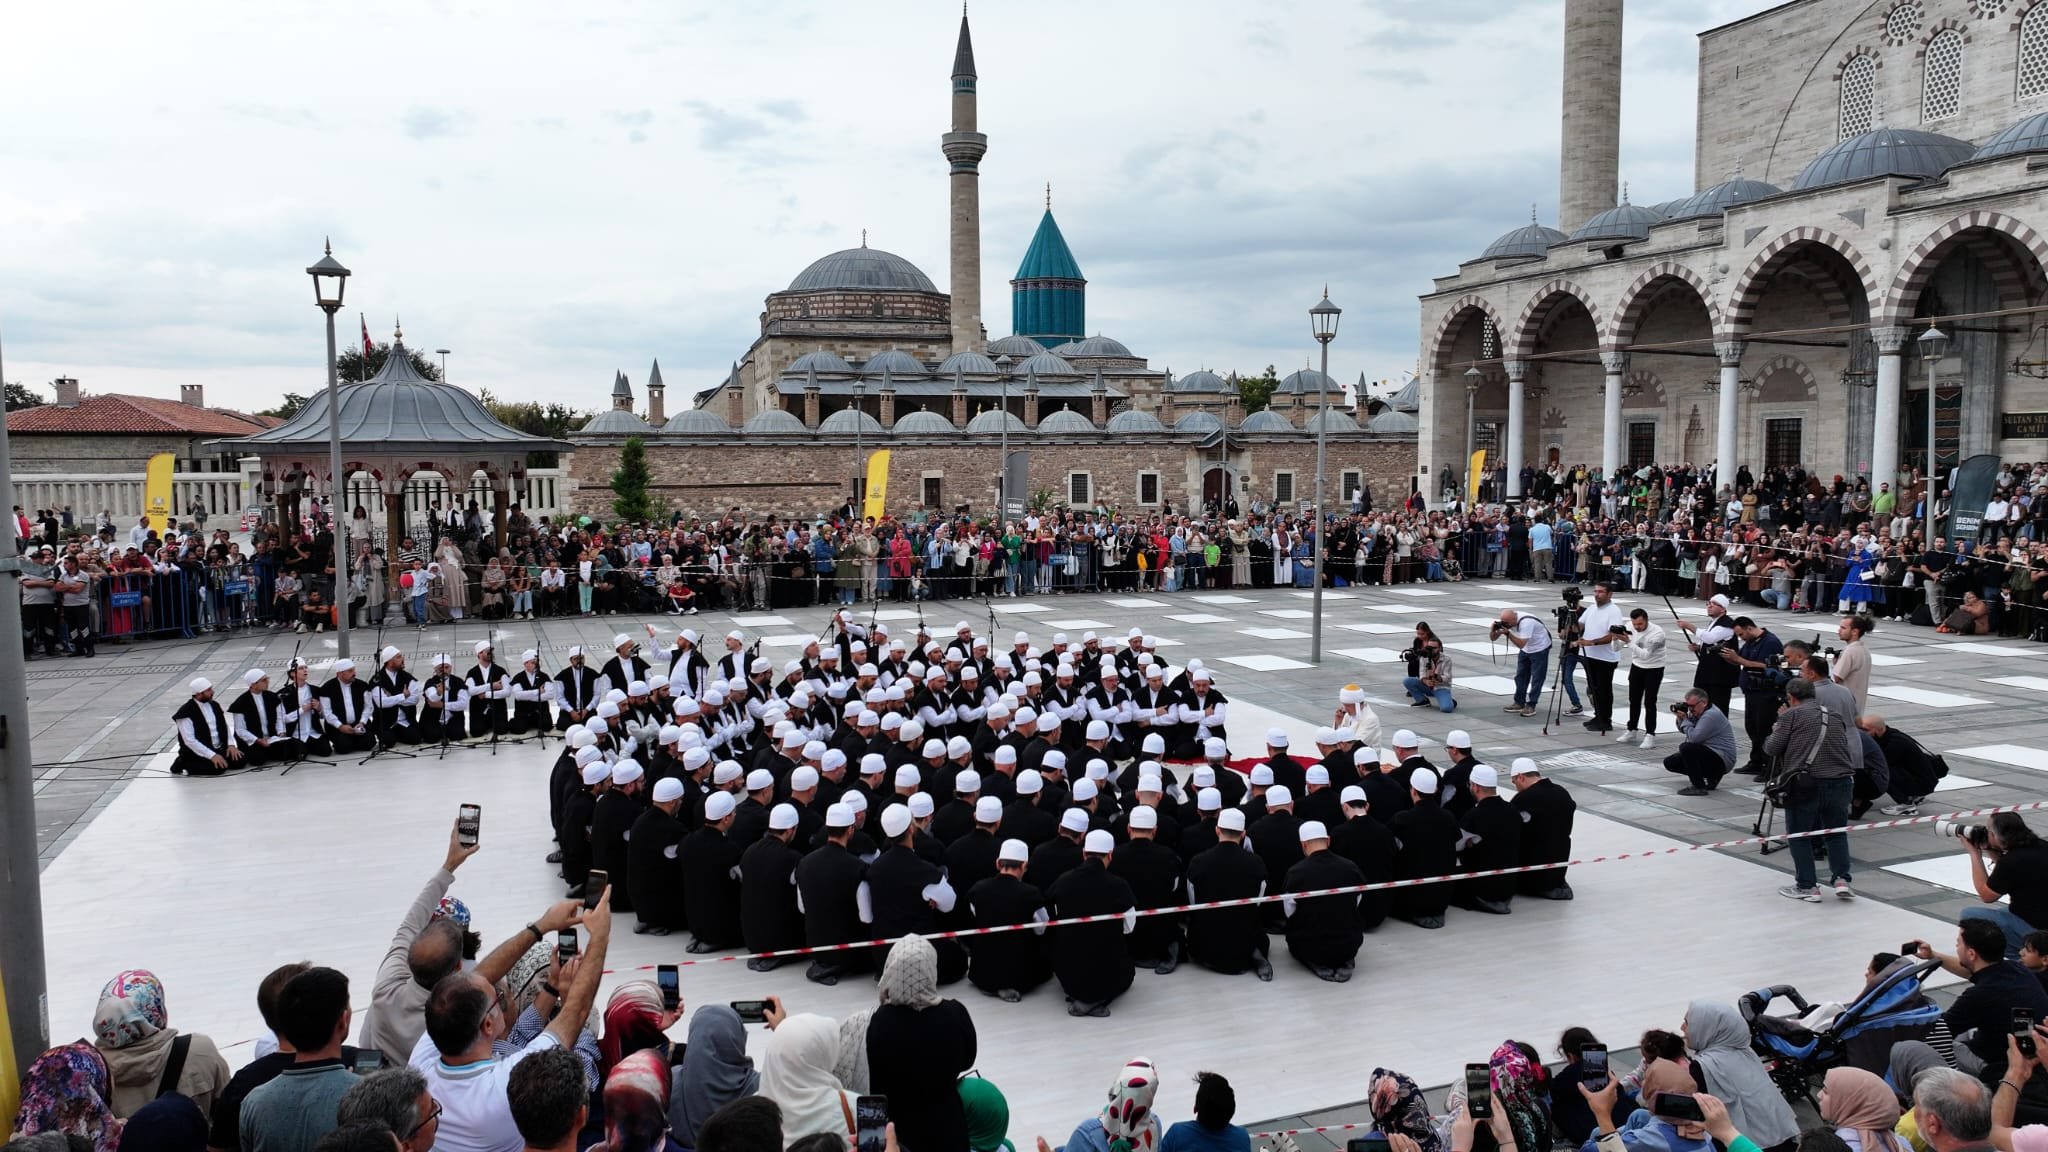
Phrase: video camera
(1832, 653)
(1567, 614)
(1968, 833)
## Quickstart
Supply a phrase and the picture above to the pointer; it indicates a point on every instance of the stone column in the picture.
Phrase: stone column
(1884, 446)
(960, 408)
(888, 414)
(1031, 407)
(1616, 364)
(1518, 431)
(1727, 434)
(811, 407)
(501, 492)
(1098, 405)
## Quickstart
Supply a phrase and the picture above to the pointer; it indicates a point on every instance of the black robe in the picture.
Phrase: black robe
(1013, 960)
(711, 892)
(1323, 932)
(1366, 842)
(610, 823)
(953, 820)
(971, 859)
(1050, 861)
(1386, 793)
(1225, 939)
(896, 883)
(580, 692)
(622, 674)
(1276, 837)
(577, 812)
(1154, 873)
(1026, 821)
(769, 919)
(1428, 846)
(828, 879)
(1547, 811)
(1499, 829)
(654, 869)
(1090, 959)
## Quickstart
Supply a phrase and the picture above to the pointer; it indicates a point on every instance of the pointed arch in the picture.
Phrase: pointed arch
(2018, 278)
(1749, 287)
(1447, 324)
(1522, 341)
(1635, 301)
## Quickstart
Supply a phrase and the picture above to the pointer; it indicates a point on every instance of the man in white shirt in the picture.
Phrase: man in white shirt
(464, 1015)
(1527, 633)
(1601, 627)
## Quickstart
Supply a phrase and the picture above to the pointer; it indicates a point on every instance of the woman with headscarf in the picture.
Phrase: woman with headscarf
(1862, 1110)
(456, 581)
(1724, 1063)
(918, 1045)
(715, 1071)
(169, 1123)
(1398, 1108)
(634, 1020)
(1517, 1088)
(636, 1105)
(133, 1032)
(67, 1090)
(988, 1116)
(796, 1073)
(1125, 1124)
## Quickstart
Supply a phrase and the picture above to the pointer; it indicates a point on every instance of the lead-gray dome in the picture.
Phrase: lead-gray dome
(970, 363)
(1308, 382)
(2029, 135)
(1884, 152)
(696, 422)
(1015, 347)
(1392, 420)
(617, 422)
(1199, 381)
(1134, 420)
(862, 269)
(1045, 364)
(994, 419)
(1531, 239)
(1619, 223)
(845, 421)
(1723, 196)
(1333, 421)
(1265, 420)
(820, 361)
(1092, 346)
(895, 361)
(924, 423)
(1198, 422)
(1066, 421)
(1409, 398)
(775, 421)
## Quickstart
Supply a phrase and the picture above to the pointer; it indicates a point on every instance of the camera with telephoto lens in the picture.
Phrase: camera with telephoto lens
(1681, 709)
(1969, 833)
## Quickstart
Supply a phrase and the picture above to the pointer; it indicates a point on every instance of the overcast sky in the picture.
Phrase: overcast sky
(556, 191)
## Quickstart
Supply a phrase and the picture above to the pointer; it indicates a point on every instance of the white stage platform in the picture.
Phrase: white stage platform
(211, 883)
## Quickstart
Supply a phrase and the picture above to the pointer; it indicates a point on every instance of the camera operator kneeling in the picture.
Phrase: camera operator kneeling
(2017, 869)
(1708, 750)
(1433, 686)
(1814, 778)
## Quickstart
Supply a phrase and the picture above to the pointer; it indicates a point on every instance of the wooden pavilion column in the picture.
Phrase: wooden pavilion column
(501, 492)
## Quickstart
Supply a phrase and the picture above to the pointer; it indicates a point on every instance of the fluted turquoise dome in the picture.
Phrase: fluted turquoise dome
(1049, 296)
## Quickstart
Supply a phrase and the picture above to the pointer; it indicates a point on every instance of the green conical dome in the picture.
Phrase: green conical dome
(1049, 258)
(1049, 297)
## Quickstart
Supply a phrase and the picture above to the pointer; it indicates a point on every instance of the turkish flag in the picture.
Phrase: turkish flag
(367, 348)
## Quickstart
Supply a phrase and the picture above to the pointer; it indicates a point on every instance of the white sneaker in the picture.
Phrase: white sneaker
(1909, 808)
(1649, 741)
(1625, 737)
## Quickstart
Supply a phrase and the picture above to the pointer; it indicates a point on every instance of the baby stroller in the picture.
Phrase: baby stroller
(1892, 1009)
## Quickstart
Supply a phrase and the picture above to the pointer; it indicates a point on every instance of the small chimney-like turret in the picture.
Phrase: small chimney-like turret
(193, 394)
(67, 391)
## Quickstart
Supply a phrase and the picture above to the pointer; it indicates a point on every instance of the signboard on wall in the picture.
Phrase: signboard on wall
(2023, 426)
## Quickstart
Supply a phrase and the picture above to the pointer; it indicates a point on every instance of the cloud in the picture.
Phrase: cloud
(426, 123)
(724, 128)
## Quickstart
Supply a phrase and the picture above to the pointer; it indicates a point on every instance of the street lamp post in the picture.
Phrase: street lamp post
(22, 958)
(1933, 346)
(860, 460)
(443, 354)
(330, 280)
(1323, 322)
(1003, 444)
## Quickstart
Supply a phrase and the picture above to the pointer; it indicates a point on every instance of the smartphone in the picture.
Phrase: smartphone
(593, 888)
(670, 979)
(468, 820)
(870, 1123)
(1593, 1067)
(2023, 1031)
(368, 1060)
(1910, 948)
(1479, 1091)
(1678, 1106)
(754, 1012)
(1373, 1143)
(565, 945)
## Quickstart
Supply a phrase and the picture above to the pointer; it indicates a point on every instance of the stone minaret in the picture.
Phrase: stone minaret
(964, 148)
(1590, 165)
(657, 397)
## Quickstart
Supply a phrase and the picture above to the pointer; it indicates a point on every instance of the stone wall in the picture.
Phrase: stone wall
(805, 478)
(44, 452)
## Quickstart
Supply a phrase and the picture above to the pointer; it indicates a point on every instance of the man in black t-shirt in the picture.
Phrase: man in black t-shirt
(2017, 870)
(1997, 988)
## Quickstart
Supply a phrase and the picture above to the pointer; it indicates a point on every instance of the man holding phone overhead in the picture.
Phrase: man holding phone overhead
(422, 951)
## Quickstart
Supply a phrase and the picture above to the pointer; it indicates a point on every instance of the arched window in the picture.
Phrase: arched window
(2033, 66)
(1941, 93)
(1859, 93)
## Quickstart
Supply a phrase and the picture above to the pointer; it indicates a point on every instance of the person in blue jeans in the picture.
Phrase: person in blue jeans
(1527, 633)
(2017, 870)
(1810, 739)
(1434, 685)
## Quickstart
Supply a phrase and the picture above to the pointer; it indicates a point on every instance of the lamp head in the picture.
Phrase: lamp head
(1323, 318)
(330, 280)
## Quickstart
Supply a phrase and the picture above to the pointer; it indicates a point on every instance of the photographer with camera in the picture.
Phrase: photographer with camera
(2017, 871)
(1527, 633)
(1707, 750)
(1715, 676)
(1983, 1014)
(1761, 658)
(1602, 632)
(1433, 686)
(1812, 747)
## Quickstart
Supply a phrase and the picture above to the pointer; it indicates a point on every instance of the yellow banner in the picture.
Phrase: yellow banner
(878, 484)
(10, 1074)
(1473, 468)
(156, 492)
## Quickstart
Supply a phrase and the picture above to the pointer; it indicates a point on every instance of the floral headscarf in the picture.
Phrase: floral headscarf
(67, 1090)
(452, 909)
(1397, 1105)
(1127, 1118)
(131, 1009)
(632, 1022)
(1517, 1083)
(636, 1103)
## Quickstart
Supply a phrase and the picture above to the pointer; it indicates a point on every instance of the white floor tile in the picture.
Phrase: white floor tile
(1476, 621)
(1077, 625)
(1019, 607)
(791, 641)
(1200, 618)
(1374, 656)
(1887, 660)
(1953, 782)
(1475, 647)
(1163, 642)
(1287, 613)
(1220, 598)
(760, 621)
(1328, 594)
(1398, 609)
(1496, 685)
(1976, 648)
(1137, 602)
(2010, 755)
(1261, 663)
(1406, 590)
(896, 614)
(1952, 871)
(1928, 697)
(1273, 633)
(1498, 604)
(2031, 683)
(1373, 628)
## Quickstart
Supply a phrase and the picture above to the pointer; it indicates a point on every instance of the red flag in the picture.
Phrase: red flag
(366, 334)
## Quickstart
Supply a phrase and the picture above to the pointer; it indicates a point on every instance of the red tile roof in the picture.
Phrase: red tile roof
(116, 413)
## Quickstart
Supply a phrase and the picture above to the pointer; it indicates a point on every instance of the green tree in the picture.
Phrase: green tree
(1256, 391)
(356, 367)
(630, 501)
(288, 407)
(21, 396)
(553, 420)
